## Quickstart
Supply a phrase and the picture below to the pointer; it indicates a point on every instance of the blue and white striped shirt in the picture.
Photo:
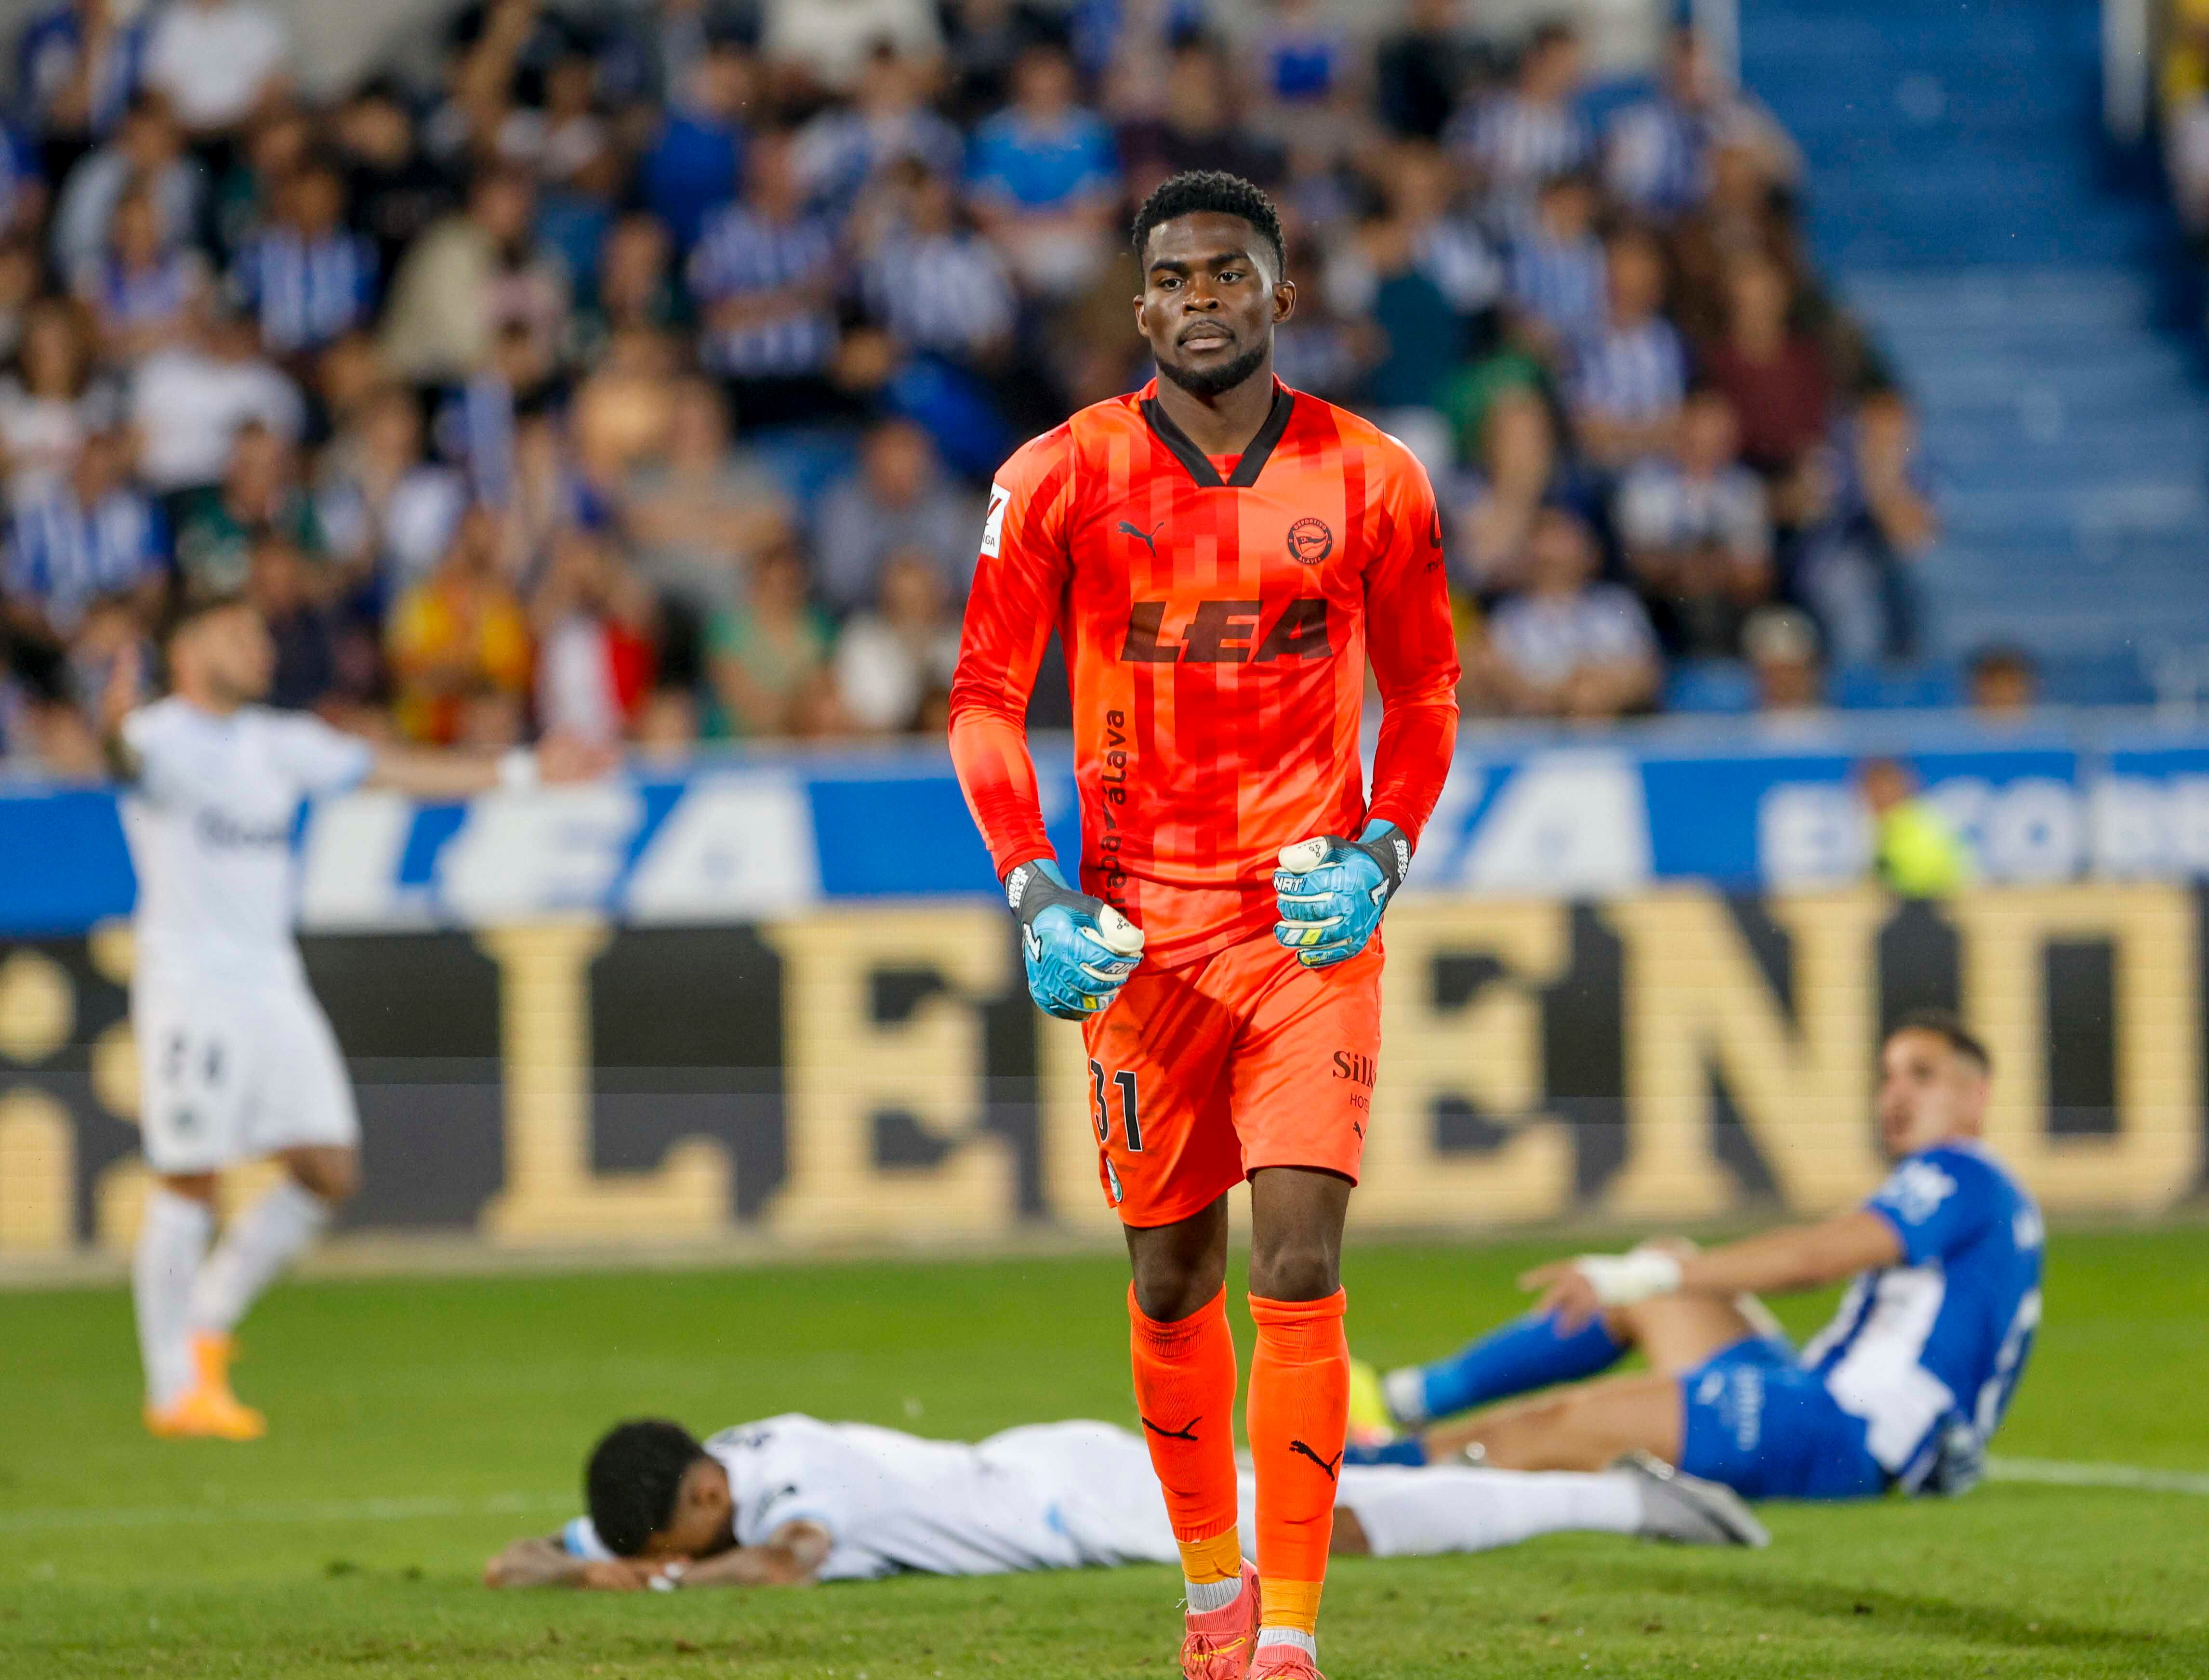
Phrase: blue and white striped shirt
(127, 299)
(304, 291)
(947, 293)
(1933, 1347)
(1519, 143)
(1655, 157)
(62, 557)
(1632, 373)
(476, 429)
(742, 254)
(1560, 284)
(839, 151)
(49, 53)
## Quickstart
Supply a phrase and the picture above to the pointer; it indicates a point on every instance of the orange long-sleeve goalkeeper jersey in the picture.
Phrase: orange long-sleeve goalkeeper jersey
(1217, 616)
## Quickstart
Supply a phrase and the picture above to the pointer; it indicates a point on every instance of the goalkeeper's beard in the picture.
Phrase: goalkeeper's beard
(1211, 381)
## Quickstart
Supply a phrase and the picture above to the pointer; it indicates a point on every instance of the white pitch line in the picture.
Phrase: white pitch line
(2048, 1472)
(348, 1511)
(2057, 1472)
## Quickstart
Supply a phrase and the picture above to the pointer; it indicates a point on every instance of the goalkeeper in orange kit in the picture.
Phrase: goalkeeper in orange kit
(1221, 556)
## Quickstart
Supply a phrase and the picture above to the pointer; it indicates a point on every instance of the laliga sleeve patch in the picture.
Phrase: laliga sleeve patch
(993, 523)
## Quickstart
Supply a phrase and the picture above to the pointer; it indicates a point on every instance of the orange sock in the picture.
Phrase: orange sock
(1185, 1392)
(1299, 1410)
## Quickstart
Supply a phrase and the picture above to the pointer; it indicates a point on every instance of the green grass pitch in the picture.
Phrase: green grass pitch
(419, 1424)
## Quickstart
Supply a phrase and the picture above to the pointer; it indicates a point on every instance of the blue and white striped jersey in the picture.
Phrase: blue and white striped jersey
(1519, 143)
(305, 292)
(1657, 157)
(1938, 1342)
(744, 255)
(62, 556)
(1559, 283)
(1631, 373)
(945, 292)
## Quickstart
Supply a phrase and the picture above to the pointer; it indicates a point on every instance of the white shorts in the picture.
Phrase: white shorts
(229, 1073)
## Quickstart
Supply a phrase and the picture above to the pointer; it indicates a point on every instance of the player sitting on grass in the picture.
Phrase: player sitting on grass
(794, 1500)
(1902, 1389)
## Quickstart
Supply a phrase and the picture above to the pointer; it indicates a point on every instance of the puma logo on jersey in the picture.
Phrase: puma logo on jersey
(1331, 1465)
(1227, 632)
(1186, 1433)
(1147, 538)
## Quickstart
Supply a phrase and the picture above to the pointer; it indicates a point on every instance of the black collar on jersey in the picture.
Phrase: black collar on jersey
(1198, 465)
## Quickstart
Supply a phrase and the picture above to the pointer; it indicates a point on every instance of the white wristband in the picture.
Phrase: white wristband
(1621, 1279)
(517, 770)
(669, 1577)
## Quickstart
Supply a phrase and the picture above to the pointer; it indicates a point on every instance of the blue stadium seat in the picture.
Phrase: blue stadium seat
(1722, 686)
(2094, 679)
(2016, 273)
(1886, 687)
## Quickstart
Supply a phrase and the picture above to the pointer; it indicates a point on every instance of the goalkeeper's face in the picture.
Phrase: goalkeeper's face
(1929, 1091)
(1211, 300)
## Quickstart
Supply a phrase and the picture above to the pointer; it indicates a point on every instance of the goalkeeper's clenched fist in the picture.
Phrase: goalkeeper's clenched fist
(1080, 949)
(1332, 891)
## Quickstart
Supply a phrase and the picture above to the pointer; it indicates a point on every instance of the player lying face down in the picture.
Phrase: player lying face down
(793, 1500)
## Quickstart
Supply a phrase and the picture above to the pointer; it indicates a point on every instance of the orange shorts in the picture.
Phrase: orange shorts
(1201, 1075)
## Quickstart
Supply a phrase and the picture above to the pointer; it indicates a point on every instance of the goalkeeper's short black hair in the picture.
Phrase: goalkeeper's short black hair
(1947, 1026)
(1196, 191)
(634, 1480)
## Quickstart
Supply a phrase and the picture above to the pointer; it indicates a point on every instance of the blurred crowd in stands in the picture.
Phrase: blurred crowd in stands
(639, 376)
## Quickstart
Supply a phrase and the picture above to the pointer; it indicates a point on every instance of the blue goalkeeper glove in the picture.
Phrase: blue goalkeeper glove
(1332, 891)
(1080, 949)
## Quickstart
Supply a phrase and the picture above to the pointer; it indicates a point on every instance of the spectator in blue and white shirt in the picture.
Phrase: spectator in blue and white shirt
(1532, 130)
(1426, 235)
(146, 150)
(476, 428)
(1556, 273)
(941, 289)
(306, 276)
(1656, 152)
(1629, 376)
(764, 275)
(1569, 647)
(1044, 177)
(844, 147)
(90, 538)
(144, 294)
(1697, 532)
(1872, 515)
(77, 65)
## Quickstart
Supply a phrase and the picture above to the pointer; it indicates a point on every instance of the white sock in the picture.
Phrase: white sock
(172, 1241)
(1206, 1595)
(261, 1242)
(1296, 1636)
(1409, 1513)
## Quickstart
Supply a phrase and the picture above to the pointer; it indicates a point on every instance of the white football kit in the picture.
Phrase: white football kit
(235, 1059)
(1065, 1496)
